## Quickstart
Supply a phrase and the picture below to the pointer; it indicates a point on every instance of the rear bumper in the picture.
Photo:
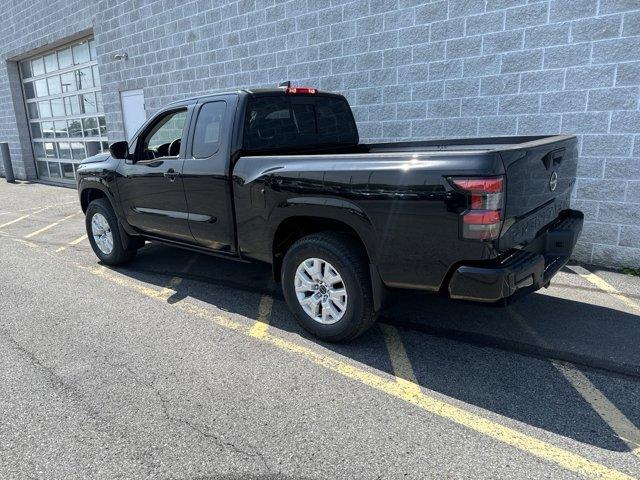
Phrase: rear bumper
(521, 271)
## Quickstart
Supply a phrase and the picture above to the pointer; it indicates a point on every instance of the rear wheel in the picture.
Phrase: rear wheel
(326, 284)
(104, 234)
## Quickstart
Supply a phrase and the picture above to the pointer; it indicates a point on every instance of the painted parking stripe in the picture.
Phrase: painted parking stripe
(610, 414)
(105, 273)
(400, 362)
(603, 285)
(23, 217)
(564, 458)
(72, 243)
(48, 206)
(489, 428)
(171, 286)
(37, 210)
(78, 240)
(19, 219)
(618, 422)
(261, 327)
(526, 443)
(50, 226)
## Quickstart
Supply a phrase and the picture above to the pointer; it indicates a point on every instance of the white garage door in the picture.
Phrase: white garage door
(64, 107)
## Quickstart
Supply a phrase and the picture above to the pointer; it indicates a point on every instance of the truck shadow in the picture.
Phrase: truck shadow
(456, 357)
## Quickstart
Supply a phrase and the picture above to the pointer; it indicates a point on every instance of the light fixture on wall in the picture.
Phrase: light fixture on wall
(121, 56)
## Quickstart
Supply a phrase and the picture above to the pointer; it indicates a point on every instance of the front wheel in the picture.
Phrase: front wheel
(326, 284)
(104, 235)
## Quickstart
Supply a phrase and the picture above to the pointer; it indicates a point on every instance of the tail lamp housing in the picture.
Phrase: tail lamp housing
(482, 218)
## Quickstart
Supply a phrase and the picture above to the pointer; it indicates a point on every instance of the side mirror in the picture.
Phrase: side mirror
(119, 150)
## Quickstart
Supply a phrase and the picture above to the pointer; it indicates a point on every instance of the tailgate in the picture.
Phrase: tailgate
(539, 178)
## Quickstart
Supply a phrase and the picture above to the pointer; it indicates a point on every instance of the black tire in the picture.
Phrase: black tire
(120, 252)
(347, 257)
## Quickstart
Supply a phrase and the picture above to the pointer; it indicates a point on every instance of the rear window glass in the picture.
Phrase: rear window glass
(283, 122)
(206, 138)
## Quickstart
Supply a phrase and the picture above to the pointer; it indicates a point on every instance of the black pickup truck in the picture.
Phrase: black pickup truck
(279, 176)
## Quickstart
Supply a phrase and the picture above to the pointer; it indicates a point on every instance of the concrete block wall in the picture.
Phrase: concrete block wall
(414, 69)
(25, 27)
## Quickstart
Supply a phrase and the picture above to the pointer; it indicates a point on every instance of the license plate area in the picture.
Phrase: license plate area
(523, 231)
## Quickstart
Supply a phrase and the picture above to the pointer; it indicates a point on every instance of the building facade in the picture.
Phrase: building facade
(411, 69)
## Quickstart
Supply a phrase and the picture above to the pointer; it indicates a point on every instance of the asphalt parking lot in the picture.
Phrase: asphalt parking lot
(181, 365)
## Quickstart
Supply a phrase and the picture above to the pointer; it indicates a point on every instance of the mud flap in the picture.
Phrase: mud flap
(377, 287)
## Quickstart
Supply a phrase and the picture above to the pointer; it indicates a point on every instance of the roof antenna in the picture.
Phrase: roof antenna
(285, 84)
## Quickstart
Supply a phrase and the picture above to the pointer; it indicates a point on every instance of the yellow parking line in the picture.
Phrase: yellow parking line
(71, 243)
(14, 221)
(527, 443)
(400, 362)
(407, 392)
(170, 288)
(26, 242)
(618, 422)
(551, 453)
(123, 281)
(78, 240)
(603, 285)
(611, 415)
(37, 210)
(260, 328)
(23, 217)
(47, 206)
(50, 226)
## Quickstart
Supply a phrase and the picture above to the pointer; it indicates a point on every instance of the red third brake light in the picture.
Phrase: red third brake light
(301, 90)
(482, 218)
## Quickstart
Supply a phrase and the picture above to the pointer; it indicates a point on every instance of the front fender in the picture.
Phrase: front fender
(101, 175)
(95, 183)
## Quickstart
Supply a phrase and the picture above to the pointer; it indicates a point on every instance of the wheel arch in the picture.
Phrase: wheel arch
(91, 193)
(293, 228)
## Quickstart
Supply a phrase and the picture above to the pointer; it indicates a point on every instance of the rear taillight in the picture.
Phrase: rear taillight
(482, 217)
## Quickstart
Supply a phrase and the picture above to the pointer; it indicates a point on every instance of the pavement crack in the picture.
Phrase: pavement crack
(216, 439)
(55, 381)
(199, 430)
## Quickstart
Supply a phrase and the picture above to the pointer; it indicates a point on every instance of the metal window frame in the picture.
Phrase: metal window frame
(92, 64)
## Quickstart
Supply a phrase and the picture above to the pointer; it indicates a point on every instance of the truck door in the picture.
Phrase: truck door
(150, 187)
(206, 174)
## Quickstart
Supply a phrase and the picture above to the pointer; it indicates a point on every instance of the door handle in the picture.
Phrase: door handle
(171, 174)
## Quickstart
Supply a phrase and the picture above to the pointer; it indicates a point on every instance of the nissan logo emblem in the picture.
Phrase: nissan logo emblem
(553, 181)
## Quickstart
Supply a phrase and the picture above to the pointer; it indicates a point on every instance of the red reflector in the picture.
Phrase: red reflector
(481, 217)
(477, 201)
(307, 90)
(479, 185)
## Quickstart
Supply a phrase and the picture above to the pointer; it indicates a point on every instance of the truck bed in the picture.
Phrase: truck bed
(400, 195)
(488, 144)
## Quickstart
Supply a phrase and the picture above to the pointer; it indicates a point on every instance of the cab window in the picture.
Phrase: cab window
(165, 136)
(279, 122)
(206, 139)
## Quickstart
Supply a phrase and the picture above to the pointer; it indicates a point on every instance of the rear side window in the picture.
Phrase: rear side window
(206, 138)
(284, 122)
